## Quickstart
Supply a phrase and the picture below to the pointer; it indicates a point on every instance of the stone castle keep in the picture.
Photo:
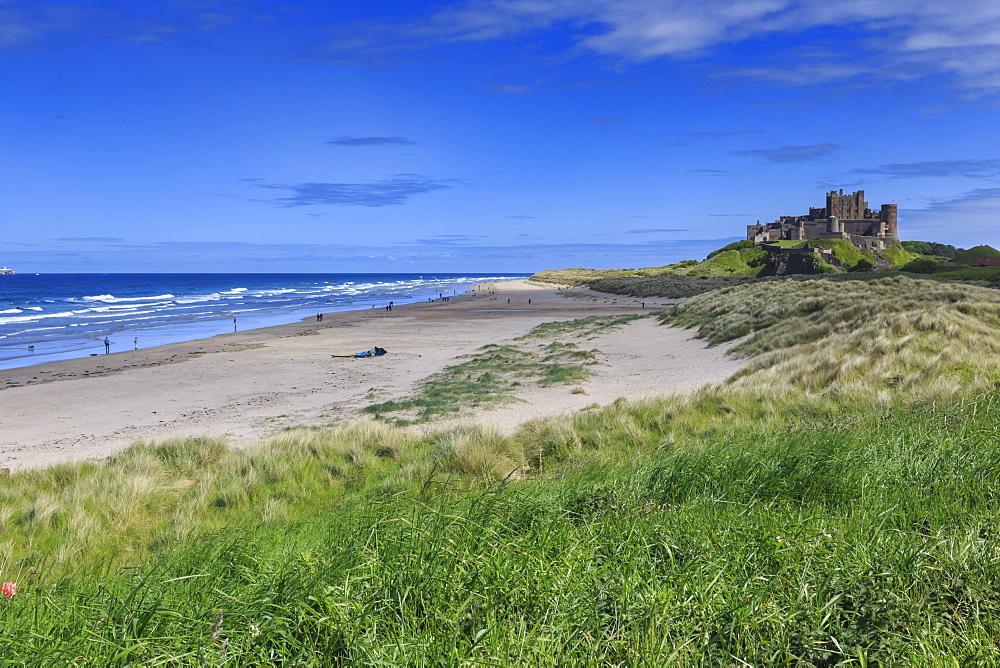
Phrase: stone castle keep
(843, 217)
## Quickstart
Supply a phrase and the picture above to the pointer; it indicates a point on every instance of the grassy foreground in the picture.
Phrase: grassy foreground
(755, 523)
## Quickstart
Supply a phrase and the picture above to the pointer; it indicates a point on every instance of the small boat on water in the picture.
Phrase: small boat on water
(7, 272)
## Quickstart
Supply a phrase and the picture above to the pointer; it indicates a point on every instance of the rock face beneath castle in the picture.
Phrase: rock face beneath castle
(843, 217)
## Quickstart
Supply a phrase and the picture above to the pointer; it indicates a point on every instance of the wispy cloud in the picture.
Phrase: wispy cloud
(973, 168)
(607, 120)
(968, 219)
(392, 191)
(522, 217)
(98, 240)
(371, 141)
(655, 230)
(791, 153)
(450, 239)
(878, 40)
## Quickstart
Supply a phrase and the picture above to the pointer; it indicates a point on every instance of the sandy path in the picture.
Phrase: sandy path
(245, 386)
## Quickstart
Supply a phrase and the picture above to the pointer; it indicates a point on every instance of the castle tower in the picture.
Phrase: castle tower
(833, 227)
(847, 207)
(889, 216)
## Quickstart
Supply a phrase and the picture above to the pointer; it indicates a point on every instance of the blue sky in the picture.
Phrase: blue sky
(483, 135)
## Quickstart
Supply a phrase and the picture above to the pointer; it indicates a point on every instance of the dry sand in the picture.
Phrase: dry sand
(245, 386)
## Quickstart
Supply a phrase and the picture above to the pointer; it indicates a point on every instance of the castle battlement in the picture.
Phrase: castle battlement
(843, 217)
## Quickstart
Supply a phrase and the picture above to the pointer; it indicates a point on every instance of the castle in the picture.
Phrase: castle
(843, 217)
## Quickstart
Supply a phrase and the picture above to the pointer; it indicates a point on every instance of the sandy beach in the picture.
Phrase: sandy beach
(245, 386)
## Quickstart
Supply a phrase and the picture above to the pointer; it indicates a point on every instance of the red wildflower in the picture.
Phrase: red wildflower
(8, 589)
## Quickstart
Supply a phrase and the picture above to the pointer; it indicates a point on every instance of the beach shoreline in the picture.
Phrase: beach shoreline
(245, 386)
(59, 317)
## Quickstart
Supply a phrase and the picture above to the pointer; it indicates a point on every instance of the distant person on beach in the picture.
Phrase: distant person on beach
(136, 342)
(234, 323)
(107, 345)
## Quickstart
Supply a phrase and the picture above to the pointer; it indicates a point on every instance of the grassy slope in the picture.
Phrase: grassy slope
(766, 522)
(737, 261)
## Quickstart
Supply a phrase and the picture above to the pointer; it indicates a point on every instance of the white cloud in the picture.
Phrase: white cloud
(896, 39)
(970, 219)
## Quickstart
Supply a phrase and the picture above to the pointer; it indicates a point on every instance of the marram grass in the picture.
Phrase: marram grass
(865, 539)
(764, 521)
(855, 341)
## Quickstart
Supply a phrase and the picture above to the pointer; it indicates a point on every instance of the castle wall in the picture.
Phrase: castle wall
(861, 227)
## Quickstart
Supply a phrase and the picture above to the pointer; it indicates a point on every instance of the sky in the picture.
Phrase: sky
(480, 135)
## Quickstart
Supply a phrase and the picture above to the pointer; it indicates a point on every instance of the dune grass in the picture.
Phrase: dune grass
(856, 341)
(866, 539)
(489, 377)
(582, 327)
(579, 276)
(669, 287)
(493, 375)
(750, 523)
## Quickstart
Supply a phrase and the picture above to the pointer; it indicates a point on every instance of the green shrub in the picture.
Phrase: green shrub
(920, 266)
(736, 245)
(897, 255)
(930, 248)
(967, 257)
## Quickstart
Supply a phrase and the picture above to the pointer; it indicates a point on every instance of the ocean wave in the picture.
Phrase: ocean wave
(68, 317)
(275, 292)
(111, 299)
(197, 299)
(13, 320)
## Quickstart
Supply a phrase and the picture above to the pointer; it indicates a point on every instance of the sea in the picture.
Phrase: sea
(50, 317)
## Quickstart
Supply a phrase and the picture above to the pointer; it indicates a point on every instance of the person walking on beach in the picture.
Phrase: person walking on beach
(136, 342)
(107, 345)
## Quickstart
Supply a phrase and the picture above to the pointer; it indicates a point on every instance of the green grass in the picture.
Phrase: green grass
(580, 276)
(868, 538)
(849, 254)
(489, 377)
(493, 375)
(670, 287)
(976, 252)
(788, 244)
(582, 327)
(986, 275)
(855, 340)
(771, 521)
